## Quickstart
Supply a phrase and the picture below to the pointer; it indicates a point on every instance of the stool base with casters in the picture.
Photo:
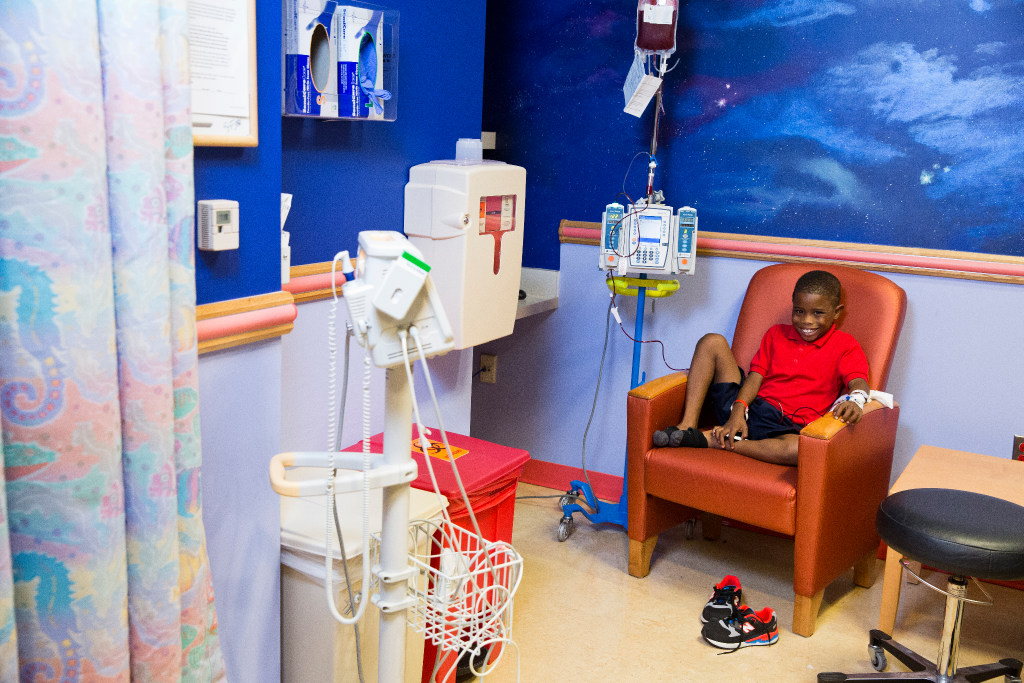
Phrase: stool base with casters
(922, 669)
(966, 534)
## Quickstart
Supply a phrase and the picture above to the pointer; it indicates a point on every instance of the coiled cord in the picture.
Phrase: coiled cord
(332, 442)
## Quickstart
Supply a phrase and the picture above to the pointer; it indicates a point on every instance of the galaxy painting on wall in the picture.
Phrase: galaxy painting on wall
(887, 121)
(896, 122)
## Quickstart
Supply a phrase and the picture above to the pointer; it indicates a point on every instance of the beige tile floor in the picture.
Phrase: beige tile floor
(579, 616)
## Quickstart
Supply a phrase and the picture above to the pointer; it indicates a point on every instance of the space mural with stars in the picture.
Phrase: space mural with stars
(897, 122)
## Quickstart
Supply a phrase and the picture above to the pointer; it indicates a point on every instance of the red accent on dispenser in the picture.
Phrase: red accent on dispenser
(497, 216)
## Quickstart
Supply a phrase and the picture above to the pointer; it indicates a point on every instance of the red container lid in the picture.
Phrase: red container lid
(481, 463)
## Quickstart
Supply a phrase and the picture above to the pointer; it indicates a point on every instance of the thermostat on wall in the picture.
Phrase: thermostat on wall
(218, 224)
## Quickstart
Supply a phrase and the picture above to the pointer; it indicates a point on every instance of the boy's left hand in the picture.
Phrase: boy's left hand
(848, 412)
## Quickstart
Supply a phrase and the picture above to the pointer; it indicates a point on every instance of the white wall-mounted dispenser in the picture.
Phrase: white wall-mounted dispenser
(466, 216)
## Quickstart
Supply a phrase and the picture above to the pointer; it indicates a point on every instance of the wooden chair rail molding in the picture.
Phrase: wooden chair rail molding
(224, 324)
(936, 262)
(234, 322)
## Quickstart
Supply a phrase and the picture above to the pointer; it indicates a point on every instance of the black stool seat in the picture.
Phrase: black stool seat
(960, 532)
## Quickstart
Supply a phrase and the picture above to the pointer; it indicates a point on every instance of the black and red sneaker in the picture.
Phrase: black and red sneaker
(743, 629)
(725, 600)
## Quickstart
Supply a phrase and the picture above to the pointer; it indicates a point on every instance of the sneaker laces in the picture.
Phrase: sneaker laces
(736, 618)
(724, 594)
(743, 614)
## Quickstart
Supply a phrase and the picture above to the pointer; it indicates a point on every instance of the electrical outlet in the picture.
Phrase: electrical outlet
(488, 368)
(1018, 447)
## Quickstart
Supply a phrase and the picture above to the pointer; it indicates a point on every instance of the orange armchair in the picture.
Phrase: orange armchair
(827, 503)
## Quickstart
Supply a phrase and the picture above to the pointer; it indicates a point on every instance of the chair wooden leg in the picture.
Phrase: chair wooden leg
(711, 526)
(864, 572)
(640, 553)
(890, 591)
(805, 613)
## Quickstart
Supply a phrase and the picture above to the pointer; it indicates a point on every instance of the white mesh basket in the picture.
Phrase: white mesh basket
(463, 587)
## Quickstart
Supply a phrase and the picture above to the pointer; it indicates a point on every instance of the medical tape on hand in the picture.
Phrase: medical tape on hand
(858, 397)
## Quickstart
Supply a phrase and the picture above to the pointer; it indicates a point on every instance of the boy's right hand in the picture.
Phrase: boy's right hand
(735, 426)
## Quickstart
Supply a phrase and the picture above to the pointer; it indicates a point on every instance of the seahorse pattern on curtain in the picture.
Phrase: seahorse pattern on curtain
(104, 575)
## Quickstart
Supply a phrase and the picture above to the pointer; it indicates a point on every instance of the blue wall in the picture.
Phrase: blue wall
(348, 176)
(251, 176)
(345, 176)
(874, 122)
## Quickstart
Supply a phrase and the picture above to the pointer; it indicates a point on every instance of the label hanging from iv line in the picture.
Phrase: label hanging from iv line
(639, 88)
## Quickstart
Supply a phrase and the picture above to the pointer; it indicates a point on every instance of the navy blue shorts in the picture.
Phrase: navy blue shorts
(764, 419)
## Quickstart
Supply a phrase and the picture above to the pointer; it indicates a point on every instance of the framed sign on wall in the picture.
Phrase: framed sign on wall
(222, 40)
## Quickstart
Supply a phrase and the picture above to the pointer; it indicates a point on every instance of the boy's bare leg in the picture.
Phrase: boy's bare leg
(779, 450)
(712, 362)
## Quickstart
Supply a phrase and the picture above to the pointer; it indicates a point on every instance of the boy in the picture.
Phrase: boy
(794, 377)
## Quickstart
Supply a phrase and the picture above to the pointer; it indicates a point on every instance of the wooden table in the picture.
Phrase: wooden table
(933, 467)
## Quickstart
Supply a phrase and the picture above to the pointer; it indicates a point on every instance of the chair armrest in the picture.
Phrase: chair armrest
(657, 387)
(655, 405)
(827, 426)
(842, 477)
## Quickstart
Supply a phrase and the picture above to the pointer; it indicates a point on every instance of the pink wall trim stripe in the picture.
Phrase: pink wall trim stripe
(855, 255)
(581, 233)
(248, 321)
(312, 283)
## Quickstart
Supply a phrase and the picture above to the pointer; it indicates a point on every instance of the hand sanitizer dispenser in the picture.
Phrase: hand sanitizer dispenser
(466, 217)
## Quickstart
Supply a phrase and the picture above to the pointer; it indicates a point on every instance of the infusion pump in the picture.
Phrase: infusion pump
(648, 238)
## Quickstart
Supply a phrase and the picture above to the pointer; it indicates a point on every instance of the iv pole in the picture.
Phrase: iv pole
(617, 513)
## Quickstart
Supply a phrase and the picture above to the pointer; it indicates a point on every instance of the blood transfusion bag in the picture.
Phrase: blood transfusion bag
(656, 26)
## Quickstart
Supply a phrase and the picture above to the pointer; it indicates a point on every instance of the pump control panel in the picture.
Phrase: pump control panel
(649, 231)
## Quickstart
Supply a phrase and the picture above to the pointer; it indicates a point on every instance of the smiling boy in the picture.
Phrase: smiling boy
(795, 377)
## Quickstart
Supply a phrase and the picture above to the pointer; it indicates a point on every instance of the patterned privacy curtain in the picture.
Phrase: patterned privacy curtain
(103, 566)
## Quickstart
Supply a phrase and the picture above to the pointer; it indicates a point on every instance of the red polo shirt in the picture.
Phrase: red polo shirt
(804, 378)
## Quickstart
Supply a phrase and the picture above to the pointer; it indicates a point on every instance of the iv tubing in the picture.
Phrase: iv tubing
(657, 109)
(597, 389)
